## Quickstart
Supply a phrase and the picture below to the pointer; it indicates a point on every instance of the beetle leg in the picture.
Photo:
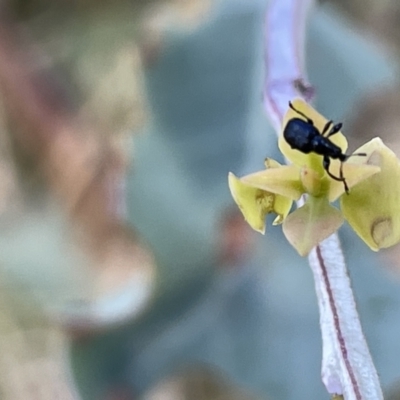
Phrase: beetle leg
(356, 154)
(335, 129)
(326, 164)
(309, 120)
(346, 188)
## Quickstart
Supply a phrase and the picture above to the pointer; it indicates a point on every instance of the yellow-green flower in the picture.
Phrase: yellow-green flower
(259, 194)
(372, 206)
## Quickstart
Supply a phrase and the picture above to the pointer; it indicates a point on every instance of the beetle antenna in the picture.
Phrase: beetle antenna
(301, 113)
(294, 109)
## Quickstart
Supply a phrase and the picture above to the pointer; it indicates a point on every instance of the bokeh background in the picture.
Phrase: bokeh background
(126, 271)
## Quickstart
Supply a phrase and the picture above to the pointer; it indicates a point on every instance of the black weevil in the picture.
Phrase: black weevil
(304, 136)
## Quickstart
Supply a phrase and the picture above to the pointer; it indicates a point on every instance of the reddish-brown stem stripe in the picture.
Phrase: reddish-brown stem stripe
(336, 320)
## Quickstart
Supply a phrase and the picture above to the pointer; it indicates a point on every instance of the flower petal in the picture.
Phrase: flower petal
(282, 206)
(271, 163)
(312, 182)
(311, 224)
(284, 180)
(353, 173)
(311, 160)
(254, 203)
(373, 207)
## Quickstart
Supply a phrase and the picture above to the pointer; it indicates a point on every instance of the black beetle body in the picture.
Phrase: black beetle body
(302, 135)
(305, 137)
